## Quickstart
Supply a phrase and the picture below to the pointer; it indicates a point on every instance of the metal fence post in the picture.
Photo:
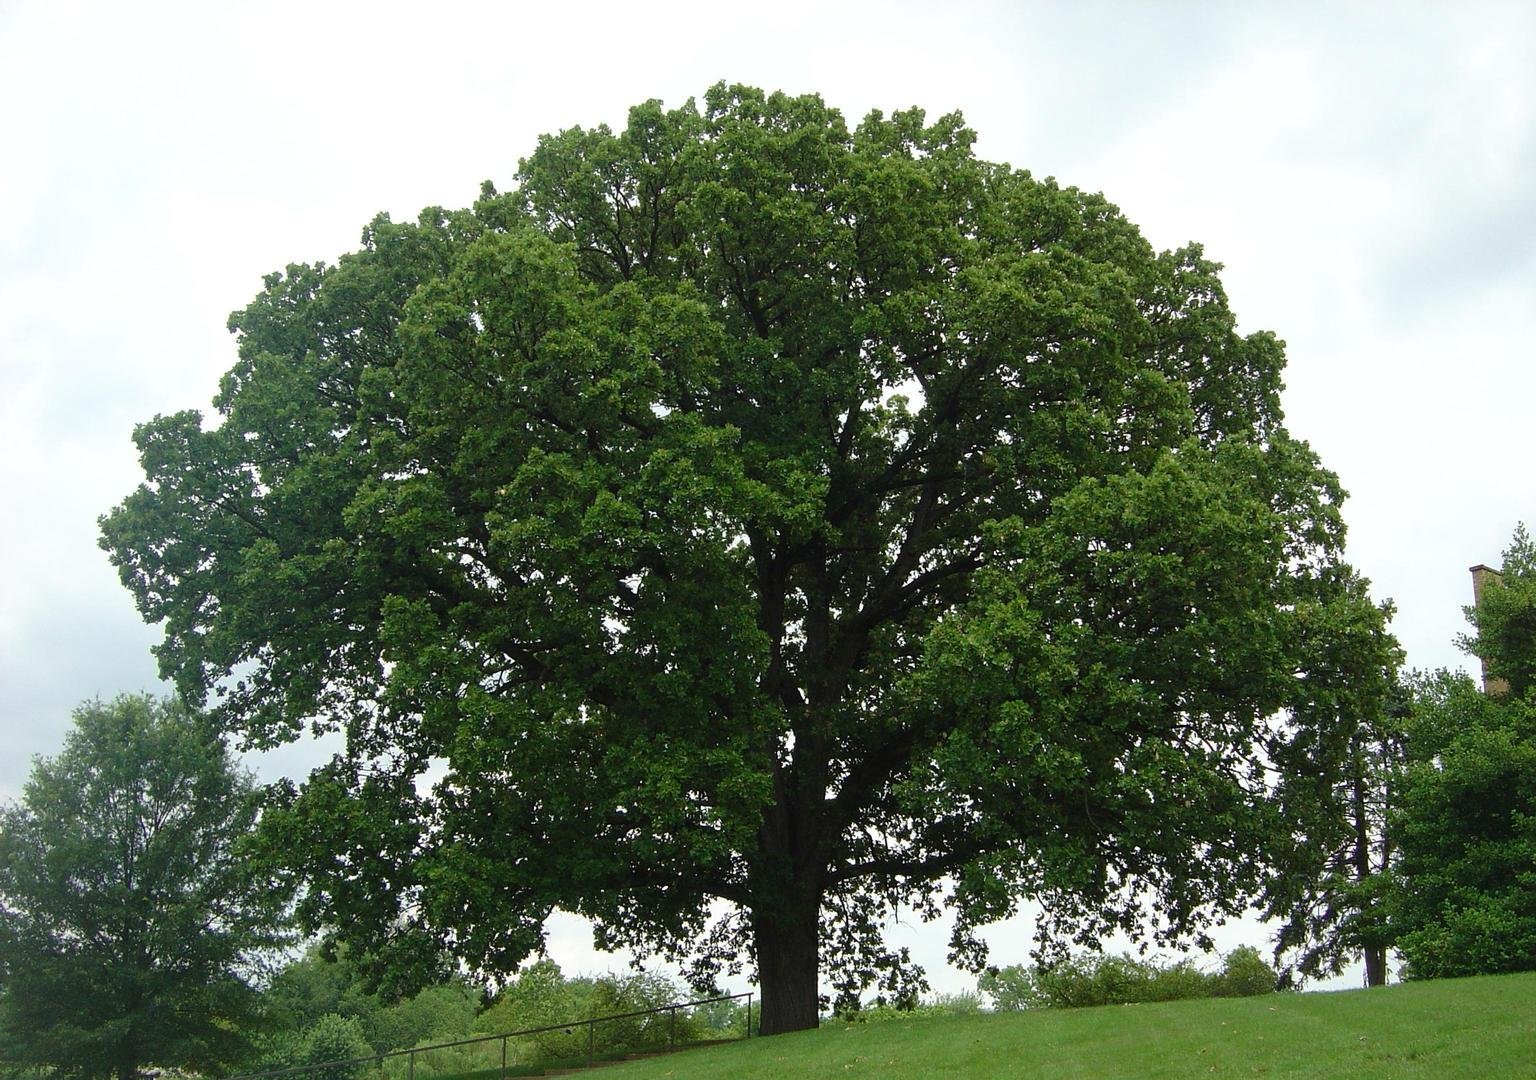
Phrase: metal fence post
(591, 1033)
(672, 1028)
(410, 1065)
(503, 1057)
(749, 1016)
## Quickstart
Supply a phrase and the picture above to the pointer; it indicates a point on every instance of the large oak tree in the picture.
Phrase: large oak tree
(751, 525)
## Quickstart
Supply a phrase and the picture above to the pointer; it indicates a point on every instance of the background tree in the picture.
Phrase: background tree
(1463, 900)
(130, 919)
(1504, 618)
(1464, 896)
(316, 999)
(765, 524)
(1334, 912)
(315, 985)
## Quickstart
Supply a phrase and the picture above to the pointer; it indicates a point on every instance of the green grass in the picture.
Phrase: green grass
(1479, 1028)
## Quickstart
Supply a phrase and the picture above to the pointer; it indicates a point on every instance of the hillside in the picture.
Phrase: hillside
(1482, 1028)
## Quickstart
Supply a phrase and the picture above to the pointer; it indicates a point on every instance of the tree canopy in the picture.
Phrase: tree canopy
(130, 921)
(751, 525)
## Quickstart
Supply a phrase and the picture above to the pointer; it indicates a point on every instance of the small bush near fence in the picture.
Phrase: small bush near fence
(567, 1045)
(403, 1040)
(1120, 980)
(330, 1038)
(940, 1005)
(541, 996)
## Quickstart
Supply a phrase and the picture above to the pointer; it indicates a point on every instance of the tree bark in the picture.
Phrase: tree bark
(788, 965)
(1375, 965)
(1375, 955)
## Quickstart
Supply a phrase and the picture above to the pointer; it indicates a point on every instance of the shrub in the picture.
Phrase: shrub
(963, 1004)
(453, 1061)
(334, 1038)
(723, 1019)
(330, 1037)
(1092, 979)
(1181, 982)
(436, 1014)
(1244, 973)
(1480, 935)
(541, 996)
(1115, 980)
(1011, 988)
(610, 996)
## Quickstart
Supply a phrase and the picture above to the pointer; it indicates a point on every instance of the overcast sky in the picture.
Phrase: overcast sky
(1367, 173)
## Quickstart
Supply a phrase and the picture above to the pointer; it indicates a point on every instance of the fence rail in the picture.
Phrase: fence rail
(570, 1027)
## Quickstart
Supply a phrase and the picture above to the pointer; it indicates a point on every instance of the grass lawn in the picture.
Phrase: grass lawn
(1483, 1028)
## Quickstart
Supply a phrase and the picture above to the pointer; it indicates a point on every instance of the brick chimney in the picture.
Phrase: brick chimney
(1483, 577)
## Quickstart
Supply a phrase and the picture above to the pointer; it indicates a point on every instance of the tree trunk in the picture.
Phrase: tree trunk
(1375, 965)
(1375, 955)
(786, 940)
